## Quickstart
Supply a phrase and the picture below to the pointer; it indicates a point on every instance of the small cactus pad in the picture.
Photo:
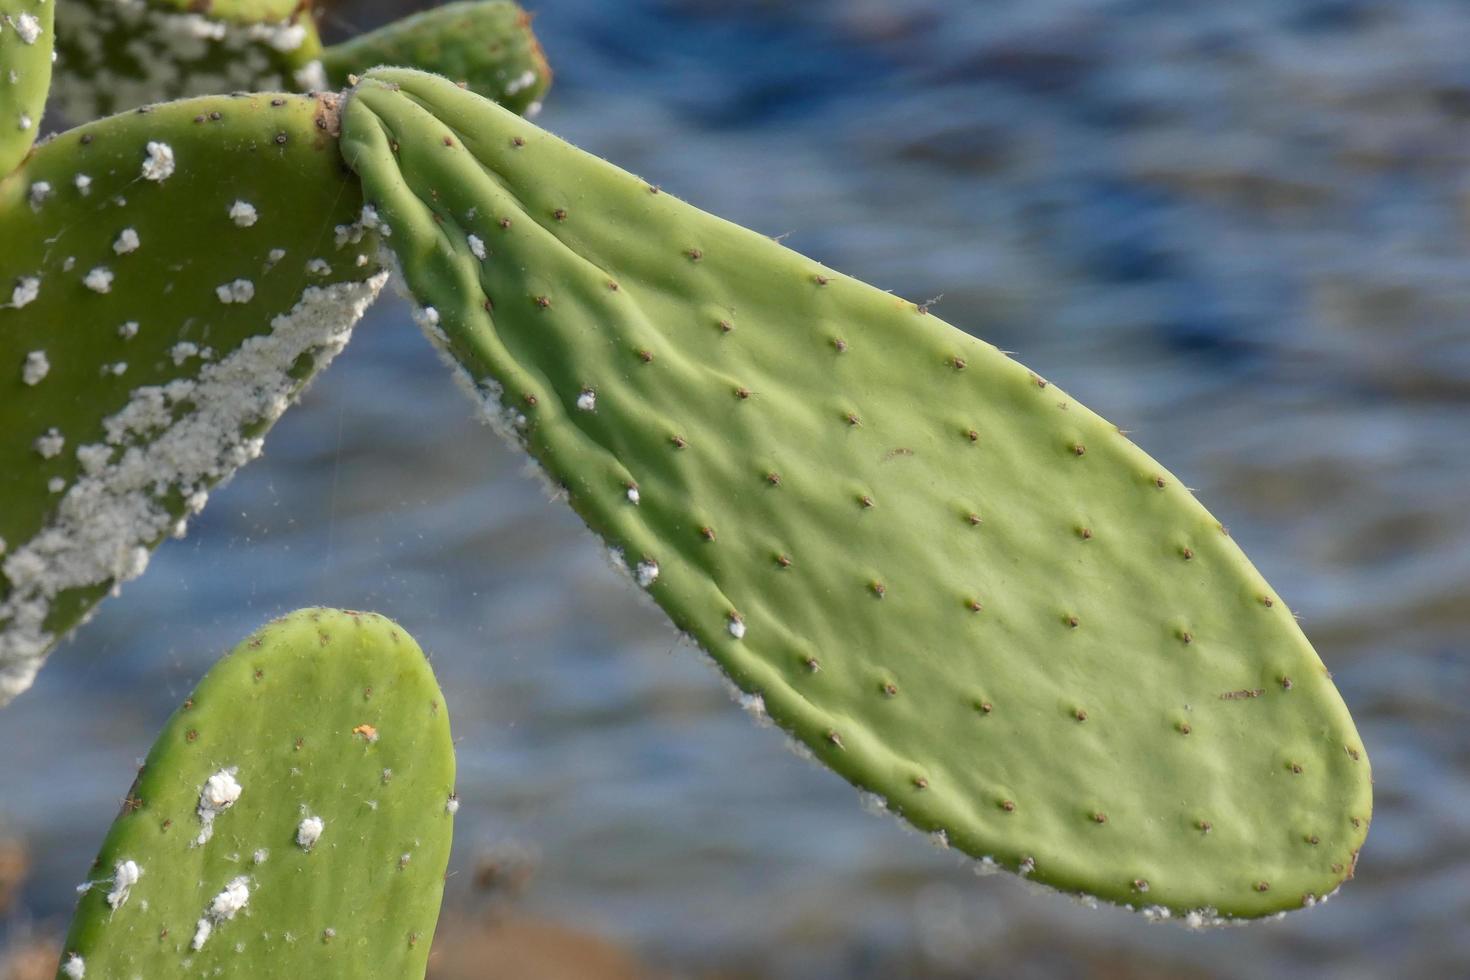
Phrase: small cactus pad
(118, 54)
(25, 74)
(168, 281)
(292, 820)
(961, 589)
(487, 44)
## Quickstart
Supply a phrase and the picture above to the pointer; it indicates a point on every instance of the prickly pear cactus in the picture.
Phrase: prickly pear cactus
(961, 589)
(168, 282)
(487, 44)
(25, 74)
(117, 54)
(292, 820)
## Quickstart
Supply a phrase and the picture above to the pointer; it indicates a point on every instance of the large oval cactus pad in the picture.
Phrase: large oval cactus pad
(309, 781)
(168, 281)
(963, 590)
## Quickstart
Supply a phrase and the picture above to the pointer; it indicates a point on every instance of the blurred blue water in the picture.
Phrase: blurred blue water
(1238, 230)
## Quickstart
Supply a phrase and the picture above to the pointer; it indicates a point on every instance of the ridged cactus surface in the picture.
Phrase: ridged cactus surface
(963, 590)
(487, 44)
(292, 820)
(168, 281)
(26, 39)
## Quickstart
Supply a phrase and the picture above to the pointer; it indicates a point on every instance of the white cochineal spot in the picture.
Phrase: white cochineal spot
(28, 27)
(25, 122)
(159, 163)
(451, 805)
(477, 247)
(522, 81)
(75, 968)
(27, 288)
(239, 291)
(311, 77)
(33, 372)
(736, 626)
(124, 877)
(56, 484)
(127, 241)
(100, 531)
(182, 351)
(217, 795)
(646, 572)
(234, 897)
(129, 330)
(284, 36)
(633, 495)
(308, 832)
(40, 190)
(99, 280)
(587, 401)
(243, 214)
(319, 267)
(51, 444)
(84, 184)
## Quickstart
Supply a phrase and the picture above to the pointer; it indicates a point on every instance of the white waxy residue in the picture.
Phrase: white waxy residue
(99, 532)
(646, 572)
(243, 214)
(159, 163)
(238, 291)
(234, 897)
(127, 241)
(27, 288)
(35, 368)
(99, 280)
(51, 444)
(28, 27)
(218, 794)
(309, 831)
(124, 877)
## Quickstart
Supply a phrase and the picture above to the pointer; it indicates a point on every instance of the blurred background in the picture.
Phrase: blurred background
(1238, 230)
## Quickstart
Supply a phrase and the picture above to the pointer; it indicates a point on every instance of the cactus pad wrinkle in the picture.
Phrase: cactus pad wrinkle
(487, 44)
(25, 74)
(274, 739)
(148, 336)
(964, 591)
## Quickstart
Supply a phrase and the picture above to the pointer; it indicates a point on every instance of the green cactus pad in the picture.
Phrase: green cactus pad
(114, 55)
(961, 589)
(487, 44)
(117, 54)
(292, 820)
(25, 74)
(168, 281)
